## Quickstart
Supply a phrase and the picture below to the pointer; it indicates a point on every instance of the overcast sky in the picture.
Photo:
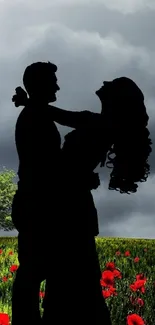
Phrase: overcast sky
(90, 41)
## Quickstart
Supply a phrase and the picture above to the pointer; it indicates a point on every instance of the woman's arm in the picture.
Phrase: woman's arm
(73, 119)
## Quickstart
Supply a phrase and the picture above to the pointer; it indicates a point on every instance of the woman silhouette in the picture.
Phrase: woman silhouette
(120, 131)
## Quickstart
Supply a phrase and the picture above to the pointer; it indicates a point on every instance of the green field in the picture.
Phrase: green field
(128, 282)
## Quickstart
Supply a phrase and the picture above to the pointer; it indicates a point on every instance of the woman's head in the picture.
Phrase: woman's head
(125, 112)
(40, 82)
(119, 98)
(119, 89)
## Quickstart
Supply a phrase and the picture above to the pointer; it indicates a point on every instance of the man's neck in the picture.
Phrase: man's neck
(37, 101)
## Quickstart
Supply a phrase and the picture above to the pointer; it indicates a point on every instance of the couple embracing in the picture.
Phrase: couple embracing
(53, 208)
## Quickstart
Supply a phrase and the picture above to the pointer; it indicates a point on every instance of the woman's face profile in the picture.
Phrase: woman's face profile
(104, 93)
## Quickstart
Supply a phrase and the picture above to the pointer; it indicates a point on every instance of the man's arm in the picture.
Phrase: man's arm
(73, 119)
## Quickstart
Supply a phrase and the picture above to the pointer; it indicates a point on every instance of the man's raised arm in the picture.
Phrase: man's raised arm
(73, 119)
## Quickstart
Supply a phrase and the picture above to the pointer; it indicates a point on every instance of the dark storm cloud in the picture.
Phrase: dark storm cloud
(90, 41)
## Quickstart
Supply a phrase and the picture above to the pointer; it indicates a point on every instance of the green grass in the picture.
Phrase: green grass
(120, 305)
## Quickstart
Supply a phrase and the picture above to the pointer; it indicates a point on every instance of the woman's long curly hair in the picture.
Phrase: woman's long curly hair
(128, 155)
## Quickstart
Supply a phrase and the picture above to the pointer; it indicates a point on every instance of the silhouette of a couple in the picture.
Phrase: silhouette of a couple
(53, 208)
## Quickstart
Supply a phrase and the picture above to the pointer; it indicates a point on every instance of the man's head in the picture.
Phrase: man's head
(40, 81)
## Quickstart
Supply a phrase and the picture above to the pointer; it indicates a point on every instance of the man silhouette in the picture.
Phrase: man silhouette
(38, 147)
(36, 143)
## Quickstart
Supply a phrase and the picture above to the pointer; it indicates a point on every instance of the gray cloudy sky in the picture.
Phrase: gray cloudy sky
(90, 41)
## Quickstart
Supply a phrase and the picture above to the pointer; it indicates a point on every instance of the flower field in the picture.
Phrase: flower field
(128, 279)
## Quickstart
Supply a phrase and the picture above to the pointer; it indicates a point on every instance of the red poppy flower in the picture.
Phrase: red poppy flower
(13, 268)
(4, 319)
(117, 274)
(140, 277)
(136, 259)
(106, 294)
(135, 319)
(110, 266)
(137, 301)
(107, 279)
(118, 253)
(138, 285)
(113, 291)
(127, 253)
(10, 253)
(110, 292)
(42, 294)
